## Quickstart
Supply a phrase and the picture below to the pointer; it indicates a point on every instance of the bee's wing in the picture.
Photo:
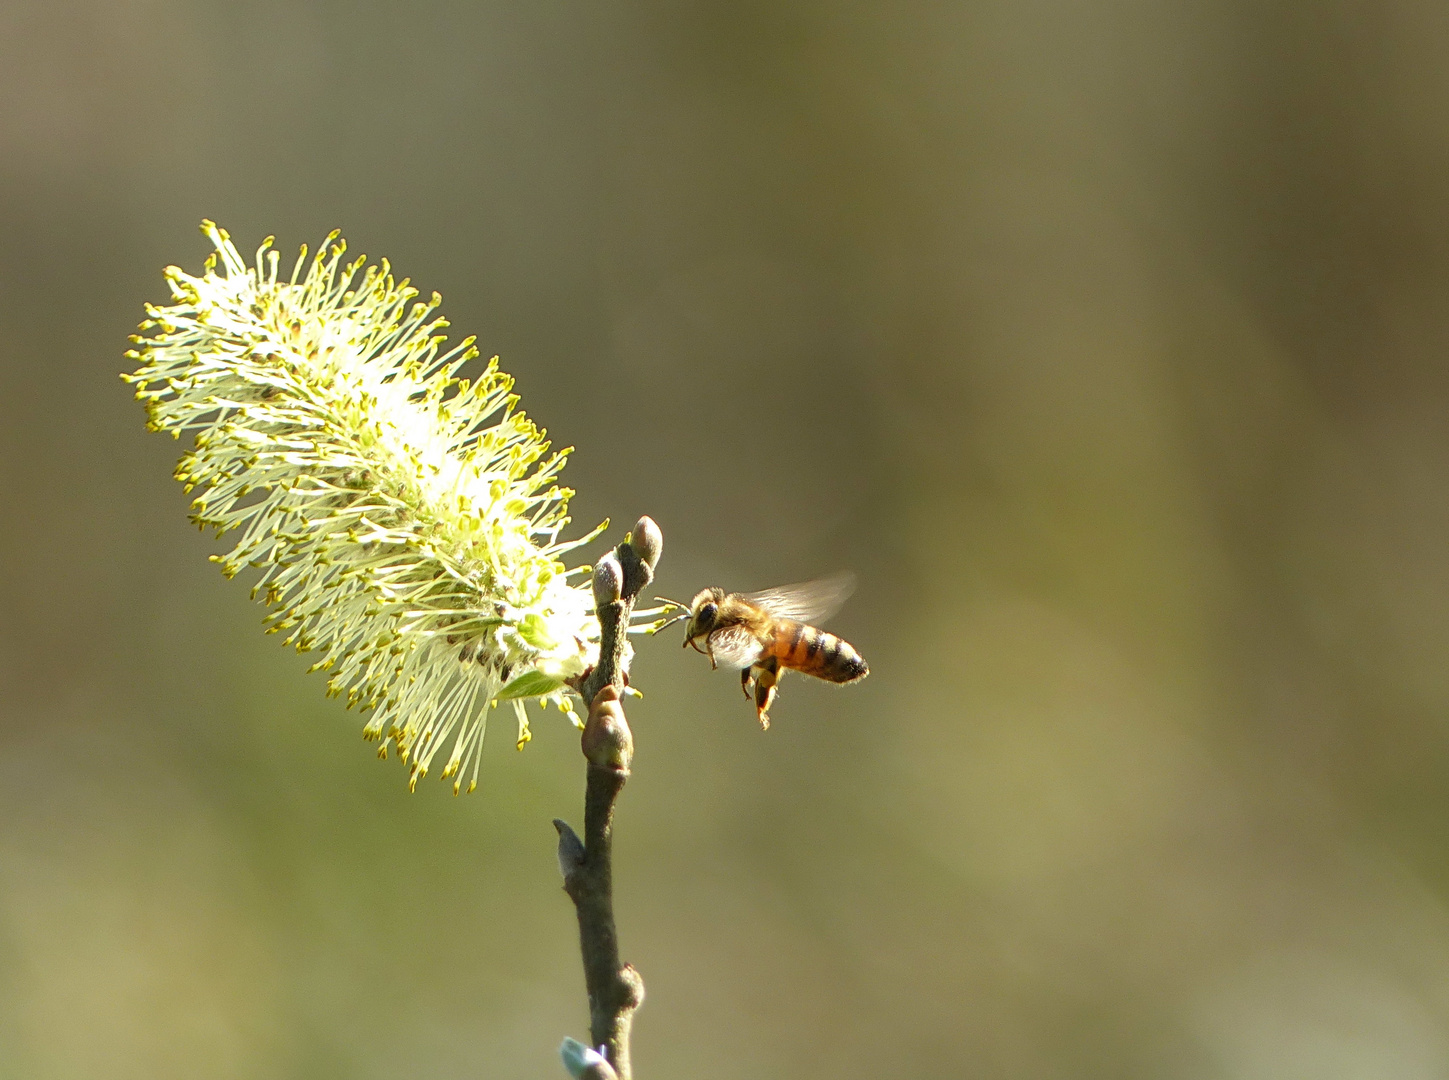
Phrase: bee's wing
(808, 601)
(735, 647)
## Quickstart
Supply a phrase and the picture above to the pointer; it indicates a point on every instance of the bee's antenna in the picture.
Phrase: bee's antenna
(662, 623)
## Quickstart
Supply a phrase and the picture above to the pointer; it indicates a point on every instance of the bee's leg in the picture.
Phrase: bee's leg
(709, 644)
(765, 690)
(746, 677)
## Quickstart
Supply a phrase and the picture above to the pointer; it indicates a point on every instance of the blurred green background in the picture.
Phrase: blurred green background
(1106, 343)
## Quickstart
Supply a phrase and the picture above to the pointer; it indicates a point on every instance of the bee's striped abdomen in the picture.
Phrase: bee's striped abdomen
(817, 653)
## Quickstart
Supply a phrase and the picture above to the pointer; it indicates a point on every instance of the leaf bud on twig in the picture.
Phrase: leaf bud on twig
(570, 849)
(608, 580)
(607, 741)
(584, 1063)
(647, 541)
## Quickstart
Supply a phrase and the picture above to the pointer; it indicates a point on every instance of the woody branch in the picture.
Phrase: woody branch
(615, 989)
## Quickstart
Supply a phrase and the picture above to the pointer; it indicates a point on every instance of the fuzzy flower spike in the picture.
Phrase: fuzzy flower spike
(405, 522)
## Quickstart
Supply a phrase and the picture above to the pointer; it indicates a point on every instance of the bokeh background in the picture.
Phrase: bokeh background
(1107, 344)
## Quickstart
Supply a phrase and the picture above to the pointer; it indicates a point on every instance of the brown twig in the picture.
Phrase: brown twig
(615, 989)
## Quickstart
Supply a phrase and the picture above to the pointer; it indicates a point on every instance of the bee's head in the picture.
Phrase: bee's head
(703, 614)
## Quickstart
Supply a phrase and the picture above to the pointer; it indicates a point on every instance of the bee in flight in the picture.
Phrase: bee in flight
(764, 633)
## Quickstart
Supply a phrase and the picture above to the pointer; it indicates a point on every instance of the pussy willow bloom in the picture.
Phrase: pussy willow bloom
(404, 522)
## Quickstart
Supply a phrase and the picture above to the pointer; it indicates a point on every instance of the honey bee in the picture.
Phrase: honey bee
(764, 633)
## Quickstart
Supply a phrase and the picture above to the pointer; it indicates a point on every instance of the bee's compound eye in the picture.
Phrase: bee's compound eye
(706, 615)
